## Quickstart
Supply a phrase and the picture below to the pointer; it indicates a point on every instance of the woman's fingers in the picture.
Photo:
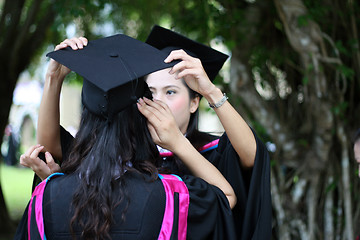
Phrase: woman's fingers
(153, 106)
(74, 43)
(31, 159)
(177, 55)
(60, 46)
(23, 161)
(54, 167)
(164, 107)
(161, 111)
(151, 113)
(31, 149)
(191, 63)
(30, 156)
(36, 152)
(152, 120)
(160, 107)
(154, 135)
(84, 40)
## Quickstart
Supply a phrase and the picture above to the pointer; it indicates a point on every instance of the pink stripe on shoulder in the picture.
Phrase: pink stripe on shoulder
(38, 195)
(209, 145)
(173, 183)
(166, 154)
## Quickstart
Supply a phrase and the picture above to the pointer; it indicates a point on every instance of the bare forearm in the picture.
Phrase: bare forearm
(48, 130)
(238, 131)
(202, 168)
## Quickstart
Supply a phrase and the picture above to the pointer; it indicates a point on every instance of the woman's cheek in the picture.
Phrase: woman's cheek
(178, 106)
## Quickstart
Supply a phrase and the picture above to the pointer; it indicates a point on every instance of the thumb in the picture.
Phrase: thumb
(54, 167)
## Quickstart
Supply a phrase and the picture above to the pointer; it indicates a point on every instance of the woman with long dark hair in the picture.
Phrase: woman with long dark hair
(239, 154)
(111, 188)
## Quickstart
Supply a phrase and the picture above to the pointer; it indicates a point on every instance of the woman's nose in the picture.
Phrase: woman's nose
(158, 96)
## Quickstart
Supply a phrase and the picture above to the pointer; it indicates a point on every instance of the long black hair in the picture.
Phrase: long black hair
(102, 152)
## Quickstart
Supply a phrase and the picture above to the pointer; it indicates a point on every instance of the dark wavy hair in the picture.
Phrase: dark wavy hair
(101, 154)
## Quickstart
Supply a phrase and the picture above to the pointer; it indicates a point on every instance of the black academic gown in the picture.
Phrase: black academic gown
(209, 215)
(253, 211)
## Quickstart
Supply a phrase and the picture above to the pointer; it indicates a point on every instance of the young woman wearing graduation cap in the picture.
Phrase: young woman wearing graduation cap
(239, 154)
(111, 188)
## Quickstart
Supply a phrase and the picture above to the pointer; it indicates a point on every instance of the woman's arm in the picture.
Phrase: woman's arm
(166, 133)
(238, 131)
(48, 130)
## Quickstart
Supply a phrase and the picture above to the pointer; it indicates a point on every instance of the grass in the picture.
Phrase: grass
(16, 183)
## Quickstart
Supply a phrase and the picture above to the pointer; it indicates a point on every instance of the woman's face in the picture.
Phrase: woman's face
(175, 94)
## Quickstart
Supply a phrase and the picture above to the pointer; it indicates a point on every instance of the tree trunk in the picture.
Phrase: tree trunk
(303, 173)
(6, 90)
(23, 32)
(346, 182)
(6, 226)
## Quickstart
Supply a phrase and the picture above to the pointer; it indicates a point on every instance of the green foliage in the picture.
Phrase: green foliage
(317, 10)
(295, 179)
(261, 131)
(278, 25)
(305, 80)
(272, 162)
(303, 20)
(73, 78)
(342, 49)
(346, 71)
(303, 142)
(340, 108)
(332, 186)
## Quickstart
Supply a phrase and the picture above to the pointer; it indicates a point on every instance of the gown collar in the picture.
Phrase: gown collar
(207, 147)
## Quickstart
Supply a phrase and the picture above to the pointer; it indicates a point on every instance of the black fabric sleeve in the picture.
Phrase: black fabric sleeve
(253, 211)
(258, 208)
(21, 230)
(209, 214)
(66, 140)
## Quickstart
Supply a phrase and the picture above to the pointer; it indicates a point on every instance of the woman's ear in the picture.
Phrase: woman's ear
(194, 104)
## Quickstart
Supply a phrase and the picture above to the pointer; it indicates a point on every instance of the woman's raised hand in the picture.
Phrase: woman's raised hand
(161, 123)
(191, 70)
(57, 70)
(31, 160)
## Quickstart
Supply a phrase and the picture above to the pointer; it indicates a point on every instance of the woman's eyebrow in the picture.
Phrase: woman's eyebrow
(165, 87)
(171, 86)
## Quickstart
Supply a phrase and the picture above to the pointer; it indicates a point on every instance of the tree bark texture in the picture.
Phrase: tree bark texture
(311, 179)
(22, 31)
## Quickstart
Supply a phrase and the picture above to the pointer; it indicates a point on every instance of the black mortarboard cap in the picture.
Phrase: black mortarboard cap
(167, 40)
(112, 68)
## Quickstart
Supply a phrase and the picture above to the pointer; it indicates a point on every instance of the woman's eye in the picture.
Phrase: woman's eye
(170, 92)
